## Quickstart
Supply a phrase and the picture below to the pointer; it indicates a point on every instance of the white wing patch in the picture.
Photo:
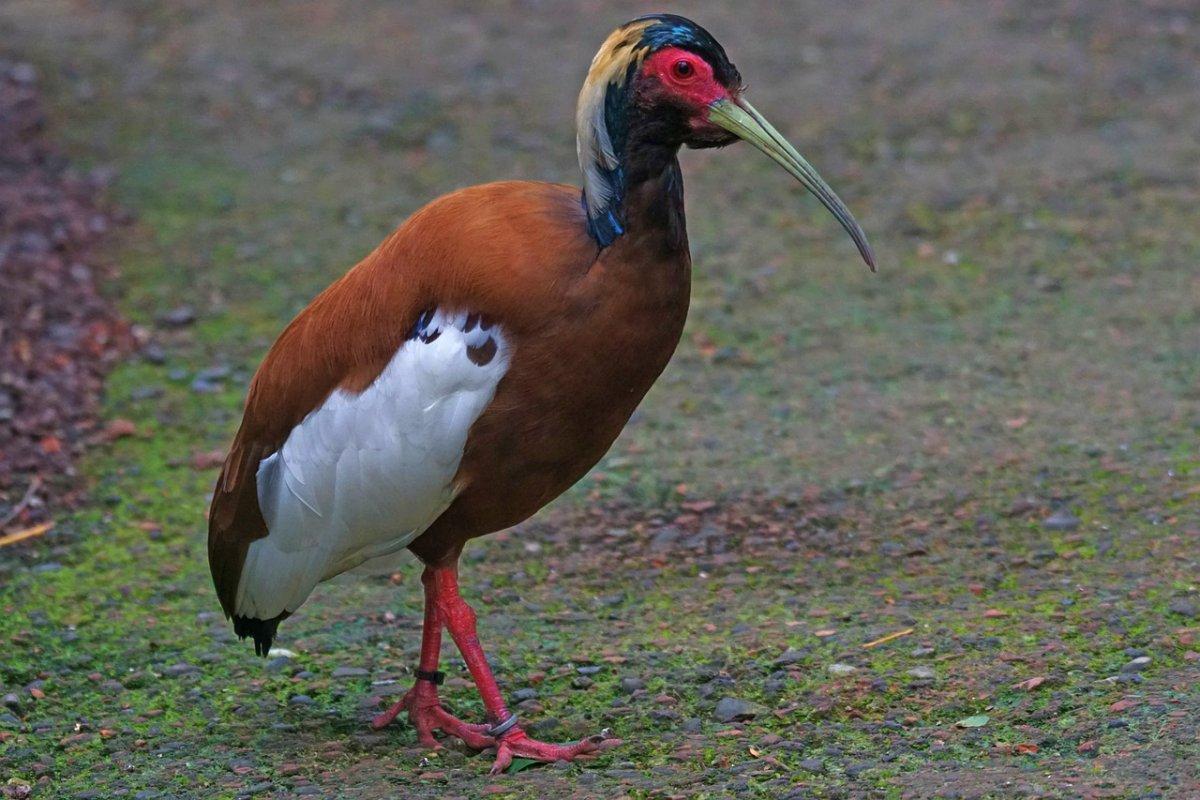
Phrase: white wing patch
(364, 474)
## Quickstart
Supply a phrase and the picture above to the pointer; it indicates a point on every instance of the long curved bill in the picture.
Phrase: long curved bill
(743, 120)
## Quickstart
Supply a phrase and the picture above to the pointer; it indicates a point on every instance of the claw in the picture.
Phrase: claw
(426, 715)
(518, 743)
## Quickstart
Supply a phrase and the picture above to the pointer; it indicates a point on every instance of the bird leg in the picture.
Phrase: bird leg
(509, 739)
(425, 711)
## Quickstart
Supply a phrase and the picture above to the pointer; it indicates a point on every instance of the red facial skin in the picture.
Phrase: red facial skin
(689, 79)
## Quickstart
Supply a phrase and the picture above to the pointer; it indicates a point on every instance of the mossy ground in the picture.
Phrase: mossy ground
(879, 452)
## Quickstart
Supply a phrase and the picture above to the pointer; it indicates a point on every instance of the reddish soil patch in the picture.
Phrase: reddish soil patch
(58, 335)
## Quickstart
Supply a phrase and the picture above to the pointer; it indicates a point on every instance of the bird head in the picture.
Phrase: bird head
(662, 80)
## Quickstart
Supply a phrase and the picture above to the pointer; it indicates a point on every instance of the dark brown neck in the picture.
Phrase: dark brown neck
(652, 206)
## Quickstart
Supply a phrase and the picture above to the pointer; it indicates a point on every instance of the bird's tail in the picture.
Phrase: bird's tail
(261, 630)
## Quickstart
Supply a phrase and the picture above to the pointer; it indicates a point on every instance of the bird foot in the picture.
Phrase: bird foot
(426, 715)
(517, 743)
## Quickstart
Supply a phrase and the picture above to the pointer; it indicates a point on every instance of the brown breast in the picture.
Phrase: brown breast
(579, 368)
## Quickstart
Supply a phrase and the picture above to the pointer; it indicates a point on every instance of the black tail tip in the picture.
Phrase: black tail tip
(261, 630)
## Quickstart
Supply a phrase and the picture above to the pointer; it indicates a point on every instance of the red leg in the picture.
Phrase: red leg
(459, 619)
(425, 712)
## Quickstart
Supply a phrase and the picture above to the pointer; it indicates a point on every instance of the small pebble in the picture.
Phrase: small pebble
(350, 672)
(154, 353)
(182, 668)
(23, 74)
(1137, 665)
(789, 656)
(731, 709)
(922, 673)
(1185, 608)
(841, 669)
(278, 664)
(1061, 520)
(178, 317)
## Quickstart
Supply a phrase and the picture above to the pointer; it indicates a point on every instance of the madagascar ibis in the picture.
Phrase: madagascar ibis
(479, 362)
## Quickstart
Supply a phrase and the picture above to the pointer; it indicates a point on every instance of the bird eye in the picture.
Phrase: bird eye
(683, 69)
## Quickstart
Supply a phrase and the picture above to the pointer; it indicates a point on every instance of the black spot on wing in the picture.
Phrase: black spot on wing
(482, 354)
(481, 347)
(421, 328)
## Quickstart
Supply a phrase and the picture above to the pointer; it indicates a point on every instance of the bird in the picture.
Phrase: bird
(478, 363)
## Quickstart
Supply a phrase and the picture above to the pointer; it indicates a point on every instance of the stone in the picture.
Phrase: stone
(1061, 520)
(841, 669)
(789, 656)
(631, 684)
(180, 669)
(1137, 665)
(733, 709)
(178, 317)
(1184, 608)
(350, 672)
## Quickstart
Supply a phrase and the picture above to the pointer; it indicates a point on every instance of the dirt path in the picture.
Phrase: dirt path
(990, 446)
(58, 334)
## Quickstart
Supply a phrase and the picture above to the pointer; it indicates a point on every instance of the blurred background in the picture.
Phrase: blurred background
(1003, 419)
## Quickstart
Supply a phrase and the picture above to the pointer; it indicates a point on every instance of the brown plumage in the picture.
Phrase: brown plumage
(575, 306)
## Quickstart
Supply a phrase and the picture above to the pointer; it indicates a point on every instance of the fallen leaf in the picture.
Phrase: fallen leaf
(993, 613)
(825, 632)
(1087, 747)
(28, 533)
(977, 721)
(1029, 684)
(1025, 749)
(1121, 705)
(210, 459)
(119, 429)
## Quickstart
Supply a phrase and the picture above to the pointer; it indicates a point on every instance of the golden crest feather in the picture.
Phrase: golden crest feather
(593, 145)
